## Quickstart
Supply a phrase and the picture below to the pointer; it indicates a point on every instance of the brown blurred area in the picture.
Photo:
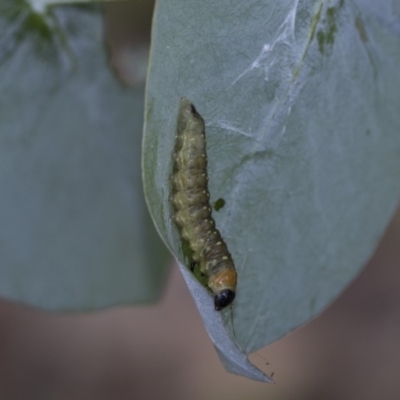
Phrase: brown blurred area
(162, 351)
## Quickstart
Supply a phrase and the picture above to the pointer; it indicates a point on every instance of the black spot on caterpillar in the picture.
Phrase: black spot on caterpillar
(192, 210)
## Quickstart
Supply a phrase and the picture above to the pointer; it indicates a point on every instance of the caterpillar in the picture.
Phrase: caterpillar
(190, 199)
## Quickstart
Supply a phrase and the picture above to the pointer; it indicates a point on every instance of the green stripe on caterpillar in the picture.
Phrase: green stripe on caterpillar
(192, 211)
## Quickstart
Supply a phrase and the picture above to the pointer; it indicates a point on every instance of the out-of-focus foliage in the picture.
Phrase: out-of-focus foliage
(74, 229)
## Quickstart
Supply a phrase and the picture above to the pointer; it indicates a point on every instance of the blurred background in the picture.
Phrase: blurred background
(350, 351)
(162, 351)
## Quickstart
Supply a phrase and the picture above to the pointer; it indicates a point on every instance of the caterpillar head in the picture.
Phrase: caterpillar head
(223, 299)
(223, 285)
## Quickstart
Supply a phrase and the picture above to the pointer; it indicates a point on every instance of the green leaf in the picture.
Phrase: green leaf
(74, 230)
(301, 105)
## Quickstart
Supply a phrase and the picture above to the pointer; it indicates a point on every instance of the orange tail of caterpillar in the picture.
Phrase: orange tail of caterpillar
(192, 211)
